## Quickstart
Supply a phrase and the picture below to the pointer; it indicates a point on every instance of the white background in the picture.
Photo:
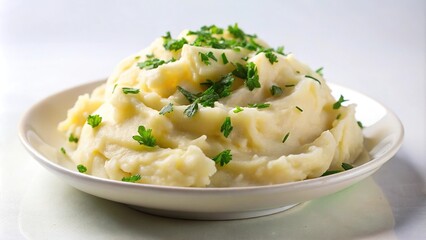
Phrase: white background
(375, 47)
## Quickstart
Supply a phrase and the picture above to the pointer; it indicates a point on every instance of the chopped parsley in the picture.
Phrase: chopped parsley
(307, 76)
(285, 137)
(94, 120)
(72, 138)
(153, 63)
(259, 105)
(319, 71)
(224, 58)
(238, 109)
(290, 85)
(133, 178)
(275, 90)
(240, 71)
(252, 81)
(347, 166)
(145, 137)
(166, 109)
(63, 150)
(338, 116)
(127, 90)
(269, 54)
(173, 44)
(149, 55)
(298, 108)
(236, 31)
(280, 50)
(115, 86)
(339, 102)
(206, 56)
(81, 168)
(214, 92)
(360, 124)
(223, 157)
(137, 57)
(226, 127)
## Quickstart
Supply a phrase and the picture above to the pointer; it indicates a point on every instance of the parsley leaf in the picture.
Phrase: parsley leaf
(275, 90)
(240, 71)
(145, 137)
(166, 109)
(252, 81)
(285, 137)
(223, 157)
(319, 71)
(360, 124)
(153, 63)
(127, 90)
(259, 105)
(94, 120)
(238, 109)
(81, 168)
(173, 44)
(346, 166)
(307, 76)
(191, 109)
(206, 56)
(216, 90)
(236, 31)
(280, 50)
(133, 178)
(224, 58)
(298, 108)
(63, 150)
(226, 127)
(339, 102)
(72, 138)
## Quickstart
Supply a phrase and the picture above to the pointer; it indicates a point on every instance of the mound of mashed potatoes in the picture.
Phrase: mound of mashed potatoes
(215, 107)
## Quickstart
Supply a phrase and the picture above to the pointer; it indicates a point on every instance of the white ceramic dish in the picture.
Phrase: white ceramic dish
(383, 136)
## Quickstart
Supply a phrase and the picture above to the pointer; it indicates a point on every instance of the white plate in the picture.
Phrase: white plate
(383, 134)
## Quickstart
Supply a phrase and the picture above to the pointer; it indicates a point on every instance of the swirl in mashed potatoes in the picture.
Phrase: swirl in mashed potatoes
(212, 108)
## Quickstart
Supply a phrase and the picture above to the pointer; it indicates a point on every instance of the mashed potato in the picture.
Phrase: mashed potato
(212, 108)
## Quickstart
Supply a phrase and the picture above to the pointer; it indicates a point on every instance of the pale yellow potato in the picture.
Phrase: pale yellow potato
(318, 140)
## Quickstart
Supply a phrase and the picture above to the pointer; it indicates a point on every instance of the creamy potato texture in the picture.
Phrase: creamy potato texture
(263, 116)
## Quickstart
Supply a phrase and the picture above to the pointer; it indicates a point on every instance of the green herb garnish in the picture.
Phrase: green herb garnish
(271, 56)
(319, 71)
(347, 166)
(238, 109)
(223, 157)
(360, 124)
(166, 109)
(133, 178)
(81, 168)
(307, 76)
(72, 138)
(298, 108)
(94, 120)
(226, 127)
(289, 85)
(127, 90)
(259, 105)
(173, 44)
(252, 81)
(224, 58)
(214, 92)
(339, 102)
(275, 90)
(63, 150)
(145, 137)
(206, 56)
(285, 137)
(153, 63)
